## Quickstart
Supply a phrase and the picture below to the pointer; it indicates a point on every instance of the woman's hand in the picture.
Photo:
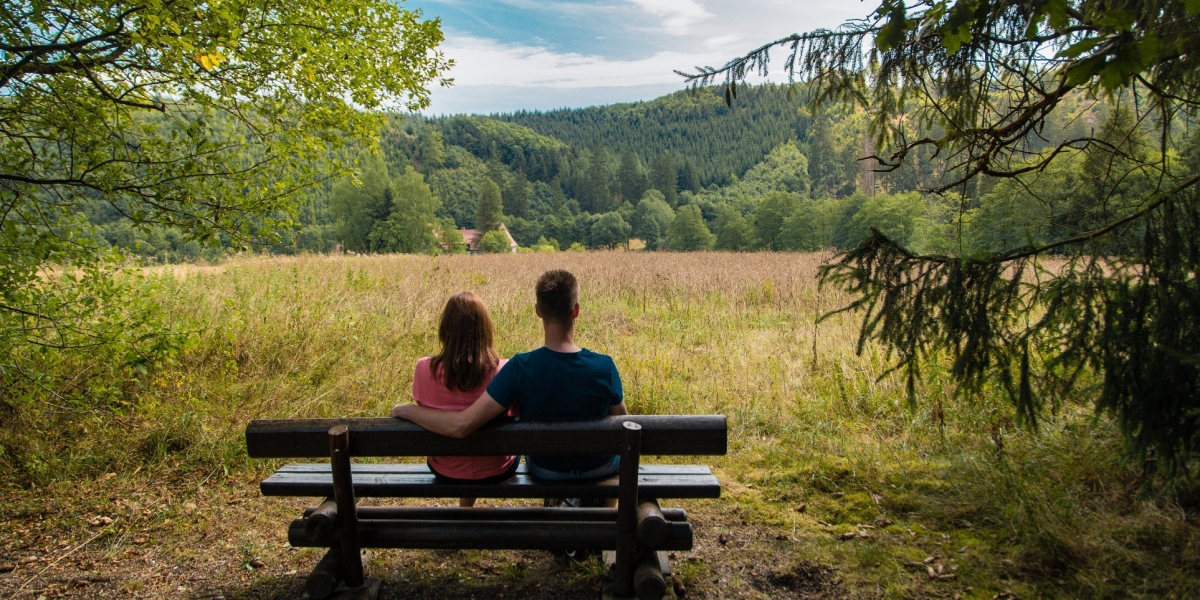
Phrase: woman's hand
(401, 411)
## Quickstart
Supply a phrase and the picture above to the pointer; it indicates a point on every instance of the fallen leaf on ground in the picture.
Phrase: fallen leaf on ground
(100, 522)
(677, 585)
(848, 535)
(257, 564)
(801, 508)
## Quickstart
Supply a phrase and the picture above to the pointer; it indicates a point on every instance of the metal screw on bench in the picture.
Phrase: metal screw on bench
(627, 501)
(343, 493)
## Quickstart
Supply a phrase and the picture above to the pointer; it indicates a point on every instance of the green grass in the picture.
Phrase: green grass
(1052, 513)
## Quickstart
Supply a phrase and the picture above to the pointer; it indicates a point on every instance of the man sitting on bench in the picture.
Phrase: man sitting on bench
(557, 382)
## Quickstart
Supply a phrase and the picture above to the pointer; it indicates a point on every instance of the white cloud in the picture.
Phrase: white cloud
(724, 41)
(481, 62)
(678, 16)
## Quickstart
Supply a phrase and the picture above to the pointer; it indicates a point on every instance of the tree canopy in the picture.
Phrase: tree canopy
(688, 231)
(211, 120)
(978, 89)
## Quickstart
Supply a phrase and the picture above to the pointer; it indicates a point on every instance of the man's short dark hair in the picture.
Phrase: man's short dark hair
(557, 295)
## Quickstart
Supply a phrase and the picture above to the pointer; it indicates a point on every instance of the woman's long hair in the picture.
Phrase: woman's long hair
(467, 357)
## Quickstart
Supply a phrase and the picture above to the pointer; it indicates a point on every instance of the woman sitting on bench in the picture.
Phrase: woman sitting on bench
(455, 377)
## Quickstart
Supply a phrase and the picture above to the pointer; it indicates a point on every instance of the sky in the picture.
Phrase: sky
(545, 54)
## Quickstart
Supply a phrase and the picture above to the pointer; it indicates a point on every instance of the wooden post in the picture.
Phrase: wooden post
(652, 525)
(627, 499)
(343, 493)
(320, 524)
(648, 579)
(326, 576)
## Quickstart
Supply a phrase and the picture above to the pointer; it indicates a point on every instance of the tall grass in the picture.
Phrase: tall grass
(1057, 512)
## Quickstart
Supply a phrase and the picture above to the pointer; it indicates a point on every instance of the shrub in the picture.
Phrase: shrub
(494, 242)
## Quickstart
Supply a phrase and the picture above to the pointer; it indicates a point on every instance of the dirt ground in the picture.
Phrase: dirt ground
(167, 537)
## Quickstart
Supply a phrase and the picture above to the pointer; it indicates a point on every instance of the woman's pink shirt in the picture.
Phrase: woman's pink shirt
(430, 392)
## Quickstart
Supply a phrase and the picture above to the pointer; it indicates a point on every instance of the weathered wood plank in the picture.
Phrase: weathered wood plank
(662, 435)
(490, 535)
(421, 468)
(442, 513)
(425, 485)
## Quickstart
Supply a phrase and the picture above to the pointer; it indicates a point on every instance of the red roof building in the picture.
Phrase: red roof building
(472, 236)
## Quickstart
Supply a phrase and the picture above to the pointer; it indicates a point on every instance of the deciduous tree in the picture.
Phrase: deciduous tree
(610, 231)
(494, 242)
(211, 118)
(733, 231)
(772, 211)
(411, 225)
(651, 219)
(689, 231)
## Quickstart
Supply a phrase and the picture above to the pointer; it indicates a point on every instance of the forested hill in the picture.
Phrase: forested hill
(693, 125)
(683, 172)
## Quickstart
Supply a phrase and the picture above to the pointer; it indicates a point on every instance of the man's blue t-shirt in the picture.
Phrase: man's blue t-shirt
(559, 386)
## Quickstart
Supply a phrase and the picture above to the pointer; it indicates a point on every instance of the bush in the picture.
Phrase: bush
(544, 245)
(494, 242)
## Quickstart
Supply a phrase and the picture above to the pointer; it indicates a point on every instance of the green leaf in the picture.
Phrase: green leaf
(1081, 47)
(891, 34)
(952, 40)
(1192, 6)
(1117, 19)
(1083, 71)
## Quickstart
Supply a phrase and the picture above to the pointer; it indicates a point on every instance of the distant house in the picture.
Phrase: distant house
(472, 236)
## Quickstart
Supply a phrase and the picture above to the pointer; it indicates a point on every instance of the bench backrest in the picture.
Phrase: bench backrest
(660, 435)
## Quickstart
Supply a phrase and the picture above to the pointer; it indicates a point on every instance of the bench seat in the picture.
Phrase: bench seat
(416, 481)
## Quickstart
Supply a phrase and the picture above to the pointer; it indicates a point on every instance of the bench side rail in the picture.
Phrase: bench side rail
(674, 435)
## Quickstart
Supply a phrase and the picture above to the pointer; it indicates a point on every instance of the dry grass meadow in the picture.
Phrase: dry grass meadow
(835, 485)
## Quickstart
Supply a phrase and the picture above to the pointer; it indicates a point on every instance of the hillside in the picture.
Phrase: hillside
(694, 126)
(767, 173)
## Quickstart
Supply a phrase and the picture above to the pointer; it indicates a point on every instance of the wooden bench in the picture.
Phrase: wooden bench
(637, 529)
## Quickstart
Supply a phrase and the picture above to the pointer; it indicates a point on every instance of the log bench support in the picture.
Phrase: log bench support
(343, 493)
(627, 542)
(639, 530)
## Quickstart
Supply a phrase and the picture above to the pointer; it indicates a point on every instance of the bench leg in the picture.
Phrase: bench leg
(343, 493)
(326, 577)
(627, 542)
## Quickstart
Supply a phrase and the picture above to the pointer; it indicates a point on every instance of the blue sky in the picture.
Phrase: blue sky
(540, 55)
